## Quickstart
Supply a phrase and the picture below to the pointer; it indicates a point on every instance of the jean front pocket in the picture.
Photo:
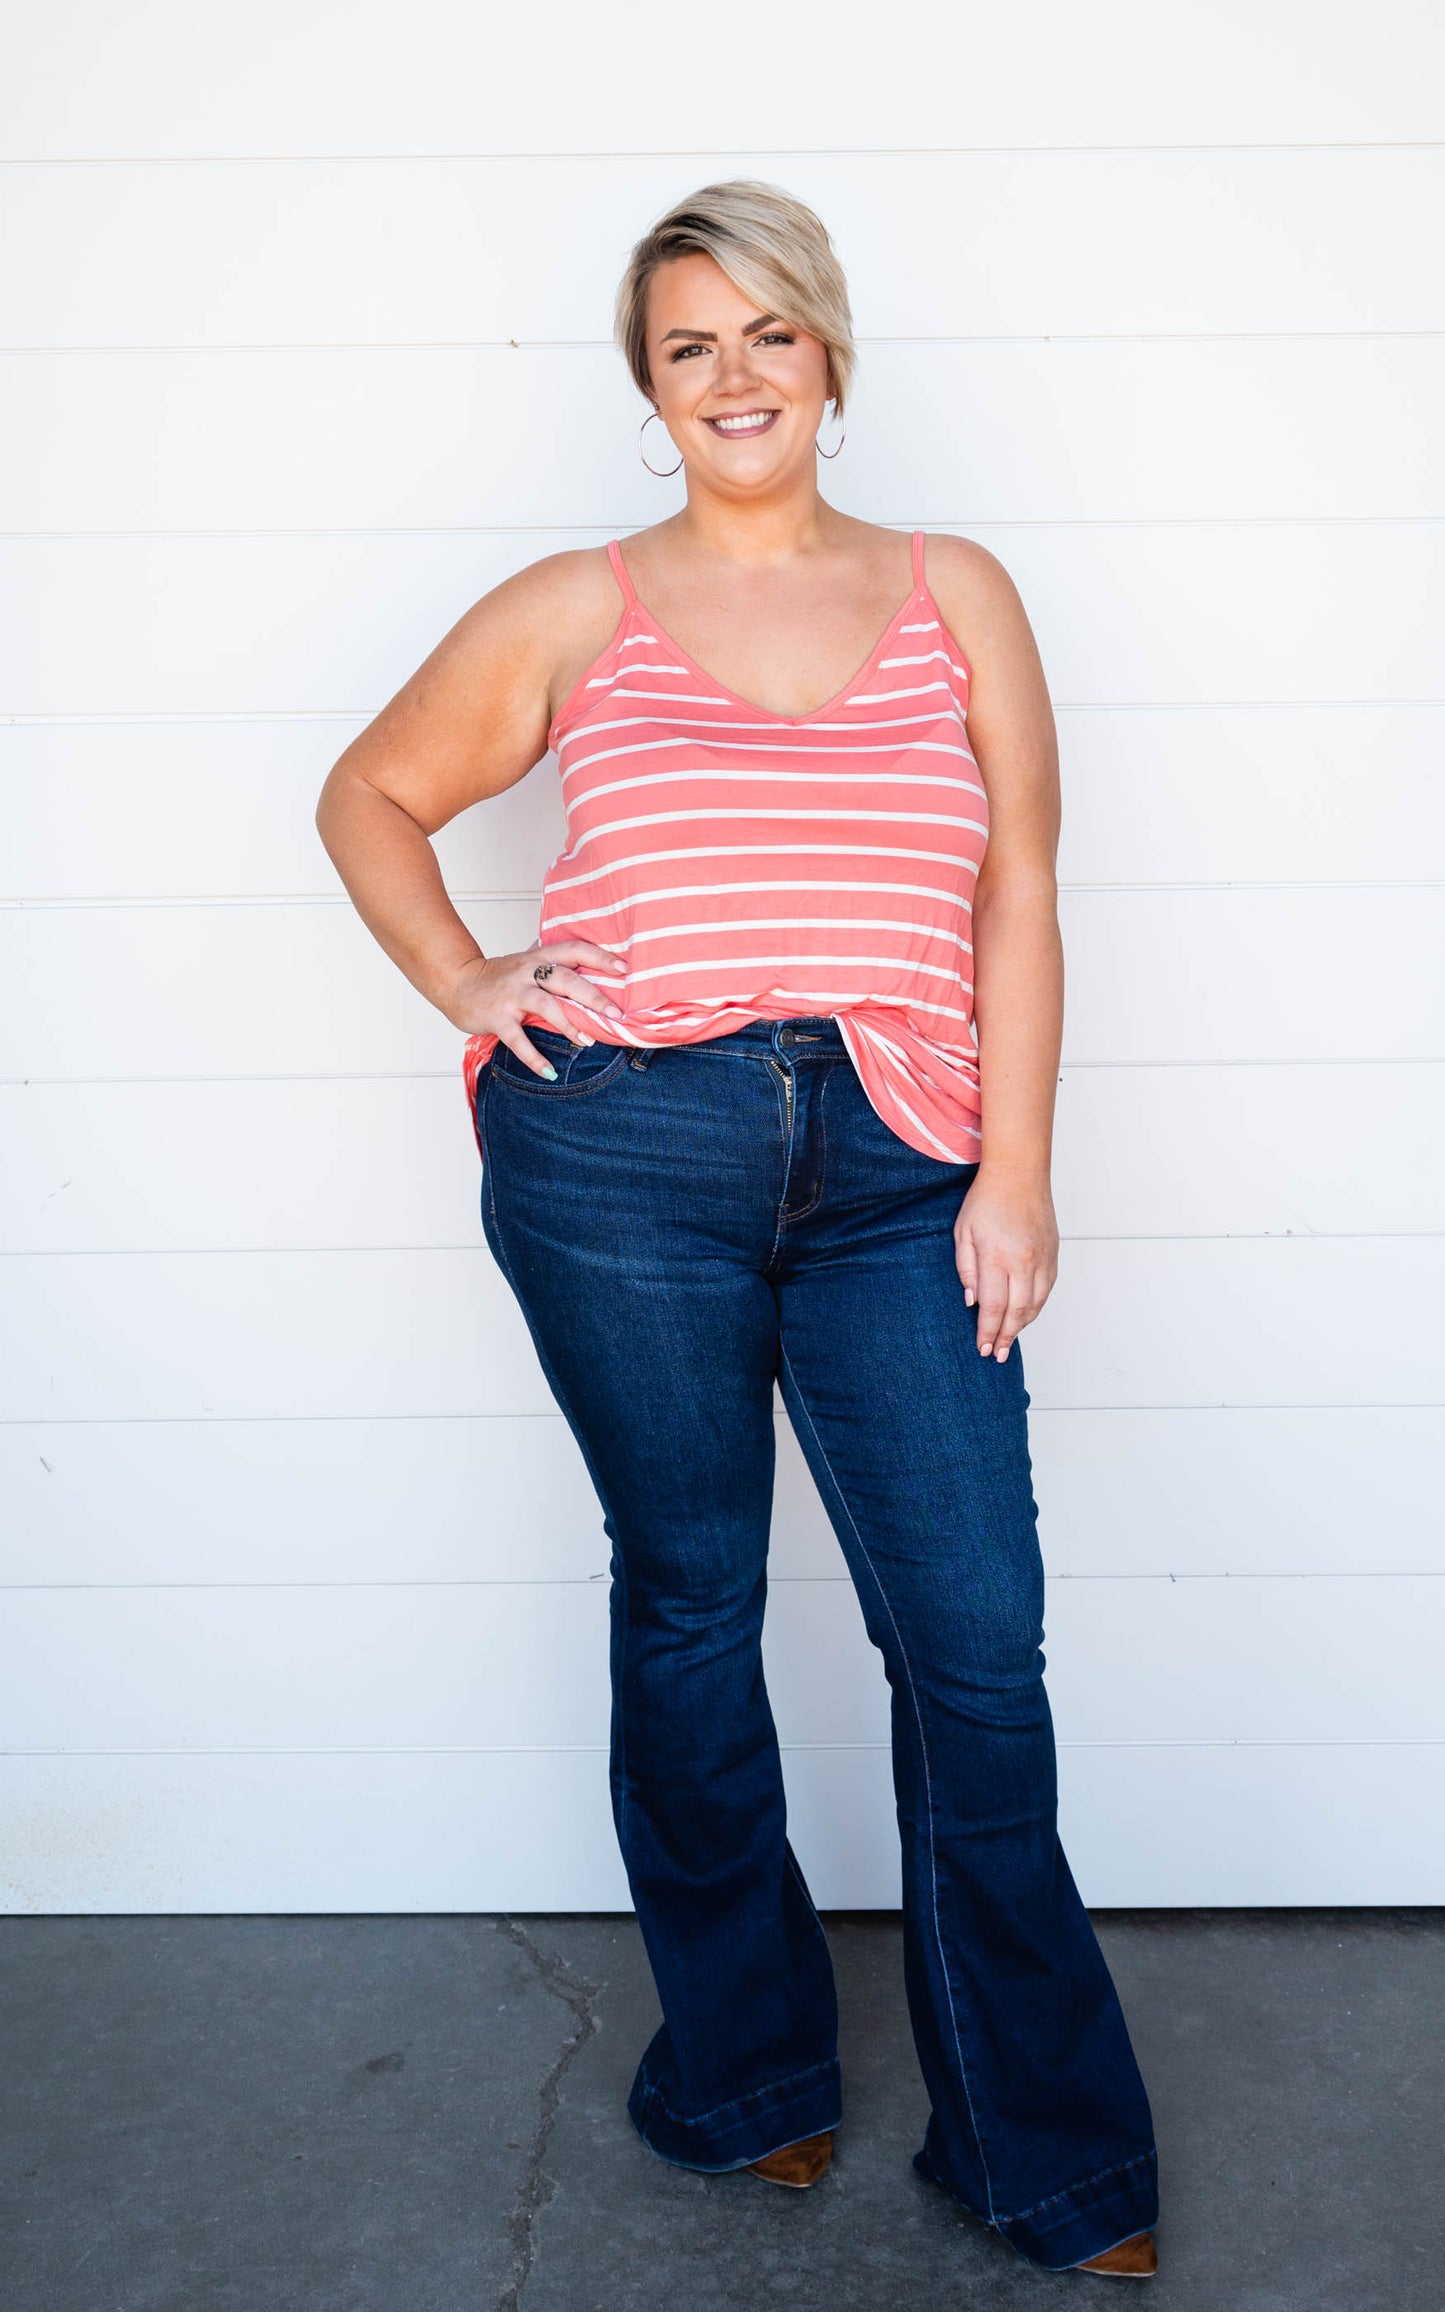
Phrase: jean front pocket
(580, 1067)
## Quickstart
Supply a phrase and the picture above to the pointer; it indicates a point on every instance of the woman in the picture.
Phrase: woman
(770, 1100)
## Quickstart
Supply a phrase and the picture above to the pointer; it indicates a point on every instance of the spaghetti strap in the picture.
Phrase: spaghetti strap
(614, 555)
(918, 577)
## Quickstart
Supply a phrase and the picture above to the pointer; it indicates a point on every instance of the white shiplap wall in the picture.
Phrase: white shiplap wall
(305, 1590)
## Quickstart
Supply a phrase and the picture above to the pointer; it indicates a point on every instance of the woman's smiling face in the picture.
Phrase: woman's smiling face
(742, 393)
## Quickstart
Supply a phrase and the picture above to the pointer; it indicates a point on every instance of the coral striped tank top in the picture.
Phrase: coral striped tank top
(750, 865)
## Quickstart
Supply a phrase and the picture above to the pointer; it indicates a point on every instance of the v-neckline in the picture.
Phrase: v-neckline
(638, 608)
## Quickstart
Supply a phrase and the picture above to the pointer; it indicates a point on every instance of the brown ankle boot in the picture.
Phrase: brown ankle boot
(1136, 2259)
(798, 2164)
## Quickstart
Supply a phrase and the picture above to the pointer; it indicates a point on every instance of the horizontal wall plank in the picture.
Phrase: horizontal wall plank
(1228, 1824)
(1305, 974)
(1164, 613)
(1059, 430)
(254, 1165)
(186, 810)
(1212, 975)
(1206, 1150)
(340, 1833)
(524, 1665)
(425, 251)
(444, 78)
(1242, 794)
(1248, 1660)
(194, 1336)
(1202, 795)
(1227, 1492)
(1274, 1825)
(257, 965)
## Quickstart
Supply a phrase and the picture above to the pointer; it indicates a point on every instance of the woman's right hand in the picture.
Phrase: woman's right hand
(491, 993)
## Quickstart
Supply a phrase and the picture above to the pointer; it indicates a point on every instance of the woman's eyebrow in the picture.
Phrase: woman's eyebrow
(711, 334)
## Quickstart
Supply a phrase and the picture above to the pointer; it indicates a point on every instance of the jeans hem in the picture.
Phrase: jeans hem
(1085, 2219)
(1089, 2217)
(734, 2134)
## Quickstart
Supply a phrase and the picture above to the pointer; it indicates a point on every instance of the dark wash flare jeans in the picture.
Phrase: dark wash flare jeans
(683, 1226)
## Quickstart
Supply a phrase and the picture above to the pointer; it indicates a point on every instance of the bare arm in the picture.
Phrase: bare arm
(470, 723)
(1007, 1235)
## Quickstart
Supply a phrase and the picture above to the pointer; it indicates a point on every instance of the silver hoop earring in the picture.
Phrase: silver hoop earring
(832, 453)
(661, 472)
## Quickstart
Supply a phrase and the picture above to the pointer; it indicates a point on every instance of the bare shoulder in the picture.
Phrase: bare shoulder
(572, 582)
(979, 600)
(1010, 714)
(473, 719)
(542, 607)
(554, 616)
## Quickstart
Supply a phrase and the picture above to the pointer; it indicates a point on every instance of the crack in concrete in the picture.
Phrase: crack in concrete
(537, 2186)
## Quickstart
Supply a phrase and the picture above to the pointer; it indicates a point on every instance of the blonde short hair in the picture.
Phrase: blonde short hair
(770, 245)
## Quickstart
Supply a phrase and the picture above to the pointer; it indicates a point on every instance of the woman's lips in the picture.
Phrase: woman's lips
(745, 427)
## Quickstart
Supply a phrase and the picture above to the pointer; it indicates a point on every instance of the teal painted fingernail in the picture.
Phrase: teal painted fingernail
(549, 1070)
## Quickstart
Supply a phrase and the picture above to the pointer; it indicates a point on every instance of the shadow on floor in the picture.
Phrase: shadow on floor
(427, 2115)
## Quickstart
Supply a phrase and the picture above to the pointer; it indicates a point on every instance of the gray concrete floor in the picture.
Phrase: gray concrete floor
(427, 2115)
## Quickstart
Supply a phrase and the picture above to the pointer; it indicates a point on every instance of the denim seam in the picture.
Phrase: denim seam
(716, 1048)
(564, 1090)
(804, 1210)
(1119, 2168)
(625, 1616)
(489, 1179)
(824, 1080)
(785, 1134)
(927, 1775)
(753, 2095)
